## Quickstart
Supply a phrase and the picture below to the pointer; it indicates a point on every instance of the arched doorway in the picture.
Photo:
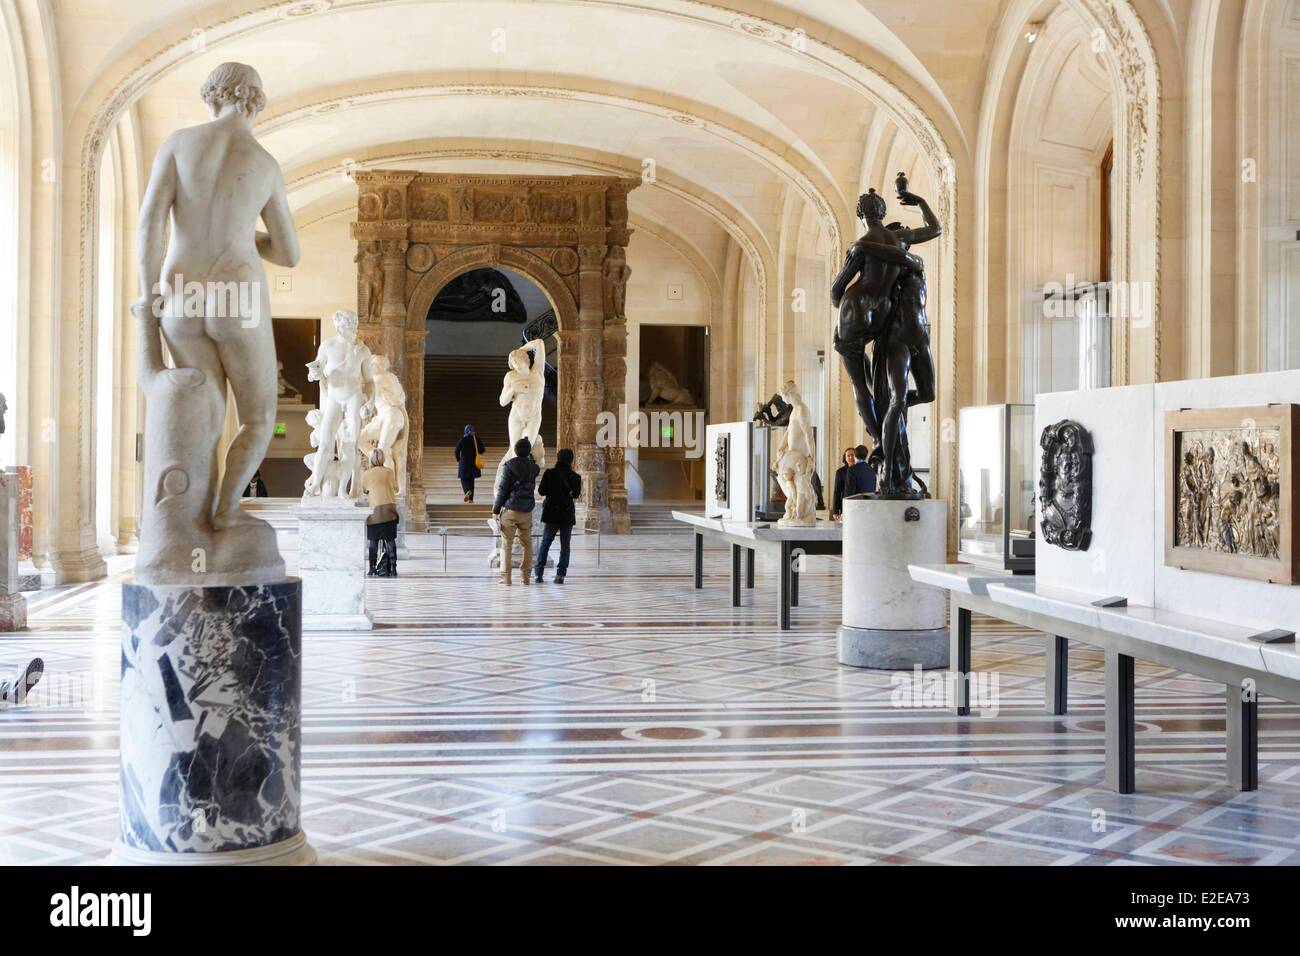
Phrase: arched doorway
(475, 320)
(416, 232)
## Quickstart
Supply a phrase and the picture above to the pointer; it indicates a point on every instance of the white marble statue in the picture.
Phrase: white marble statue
(795, 462)
(664, 387)
(523, 390)
(343, 367)
(283, 388)
(390, 425)
(209, 299)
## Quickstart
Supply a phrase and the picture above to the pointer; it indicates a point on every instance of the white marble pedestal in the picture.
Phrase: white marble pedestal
(890, 622)
(211, 726)
(331, 563)
(13, 606)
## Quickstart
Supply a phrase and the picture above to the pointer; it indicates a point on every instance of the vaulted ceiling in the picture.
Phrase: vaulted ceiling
(726, 107)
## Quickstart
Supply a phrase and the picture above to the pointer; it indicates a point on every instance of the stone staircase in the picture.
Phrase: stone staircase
(656, 517)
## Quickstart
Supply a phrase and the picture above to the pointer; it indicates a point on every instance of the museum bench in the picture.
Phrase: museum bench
(788, 545)
(1215, 650)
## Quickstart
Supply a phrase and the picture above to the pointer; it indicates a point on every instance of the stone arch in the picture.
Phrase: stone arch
(1134, 68)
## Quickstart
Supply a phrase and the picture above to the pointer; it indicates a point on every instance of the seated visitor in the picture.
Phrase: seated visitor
(514, 505)
(560, 486)
(380, 486)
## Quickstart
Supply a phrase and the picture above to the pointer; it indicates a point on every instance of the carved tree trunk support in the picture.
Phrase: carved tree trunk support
(591, 387)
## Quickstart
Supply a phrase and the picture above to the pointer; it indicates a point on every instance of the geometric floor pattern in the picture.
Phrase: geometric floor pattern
(625, 718)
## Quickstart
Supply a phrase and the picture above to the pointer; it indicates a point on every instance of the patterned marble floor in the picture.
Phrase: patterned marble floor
(625, 718)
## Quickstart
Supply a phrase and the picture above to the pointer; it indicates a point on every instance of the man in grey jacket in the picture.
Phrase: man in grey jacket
(514, 504)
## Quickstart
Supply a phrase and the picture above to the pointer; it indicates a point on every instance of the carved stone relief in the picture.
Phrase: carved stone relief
(1065, 486)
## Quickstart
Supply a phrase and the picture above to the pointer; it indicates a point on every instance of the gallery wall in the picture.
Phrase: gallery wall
(1126, 555)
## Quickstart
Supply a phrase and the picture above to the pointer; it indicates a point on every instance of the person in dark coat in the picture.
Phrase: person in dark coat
(560, 486)
(468, 450)
(841, 474)
(859, 479)
(256, 486)
(514, 504)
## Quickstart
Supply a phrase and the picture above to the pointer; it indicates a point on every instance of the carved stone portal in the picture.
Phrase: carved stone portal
(415, 232)
(1065, 486)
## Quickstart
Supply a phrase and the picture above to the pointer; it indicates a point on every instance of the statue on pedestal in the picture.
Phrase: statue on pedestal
(881, 297)
(523, 389)
(210, 704)
(795, 462)
(343, 367)
(388, 425)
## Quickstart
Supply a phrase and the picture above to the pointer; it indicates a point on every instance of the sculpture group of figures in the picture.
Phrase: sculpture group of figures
(1228, 493)
(363, 409)
(880, 294)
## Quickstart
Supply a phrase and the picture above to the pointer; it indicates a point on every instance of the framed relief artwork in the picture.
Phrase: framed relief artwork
(1230, 491)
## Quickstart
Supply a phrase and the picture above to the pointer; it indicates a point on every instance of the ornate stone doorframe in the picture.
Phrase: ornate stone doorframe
(415, 232)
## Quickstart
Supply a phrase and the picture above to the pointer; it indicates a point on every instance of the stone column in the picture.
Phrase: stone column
(614, 350)
(13, 606)
(369, 266)
(590, 399)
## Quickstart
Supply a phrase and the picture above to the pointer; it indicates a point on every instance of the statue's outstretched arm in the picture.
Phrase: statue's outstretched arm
(279, 244)
(931, 229)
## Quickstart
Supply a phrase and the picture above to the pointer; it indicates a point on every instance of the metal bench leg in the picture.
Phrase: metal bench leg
(783, 587)
(794, 582)
(699, 560)
(959, 655)
(1121, 740)
(735, 575)
(1058, 674)
(749, 568)
(1243, 737)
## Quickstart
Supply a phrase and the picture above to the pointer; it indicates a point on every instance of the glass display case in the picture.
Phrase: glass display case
(996, 463)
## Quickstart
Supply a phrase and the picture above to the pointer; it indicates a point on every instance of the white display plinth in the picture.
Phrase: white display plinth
(331, 563)
(891, 622)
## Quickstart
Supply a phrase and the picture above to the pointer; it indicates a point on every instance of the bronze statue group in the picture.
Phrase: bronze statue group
(880, 294)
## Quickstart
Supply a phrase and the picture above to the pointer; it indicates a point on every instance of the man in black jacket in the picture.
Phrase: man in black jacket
(561, 486)
(514, 504)
(859, 479)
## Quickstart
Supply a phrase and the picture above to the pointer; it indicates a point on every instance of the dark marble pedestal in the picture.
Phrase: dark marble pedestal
(211, 735)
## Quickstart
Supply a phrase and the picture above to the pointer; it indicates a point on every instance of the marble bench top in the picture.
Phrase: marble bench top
(761, 531)
(964, 578)
(1205, 637)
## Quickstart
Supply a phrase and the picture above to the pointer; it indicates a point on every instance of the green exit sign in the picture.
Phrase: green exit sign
(665, 431)
(281, 429)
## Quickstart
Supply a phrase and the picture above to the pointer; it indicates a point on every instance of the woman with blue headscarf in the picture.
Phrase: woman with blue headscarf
(469, 460)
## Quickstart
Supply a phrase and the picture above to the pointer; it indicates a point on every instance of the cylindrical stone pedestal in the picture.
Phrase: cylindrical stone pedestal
(890, 622)
(331, 563)
(211, 726)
